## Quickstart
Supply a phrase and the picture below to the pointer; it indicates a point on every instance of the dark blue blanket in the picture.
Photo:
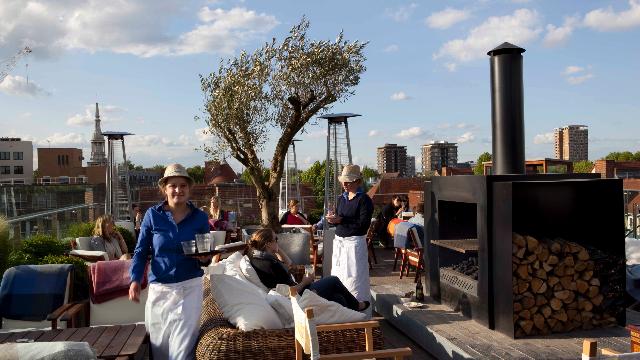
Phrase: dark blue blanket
(31, 292)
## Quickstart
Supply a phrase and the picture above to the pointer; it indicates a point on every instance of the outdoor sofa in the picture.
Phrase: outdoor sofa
(219, 339)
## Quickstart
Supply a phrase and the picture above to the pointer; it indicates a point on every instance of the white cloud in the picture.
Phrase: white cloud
(402, 13)
(446, 18)
(575, 80)
(466, 137)
(140, 27)
(108, 113)
(410, 133)
(61, 140)
(152, 142)
(399, 96)
(374, 133)
(609, 20)
(546, 138)
(451, 67)
(17, 85)
(463, 125)
(572, 69)
(557, 36)
(203, 135)
(518, 28)
(392, 48)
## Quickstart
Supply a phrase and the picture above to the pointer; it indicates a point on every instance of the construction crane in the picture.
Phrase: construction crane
(8, 64)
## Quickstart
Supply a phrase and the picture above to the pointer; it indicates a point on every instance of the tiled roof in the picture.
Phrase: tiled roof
(387, 187)
(218, 172)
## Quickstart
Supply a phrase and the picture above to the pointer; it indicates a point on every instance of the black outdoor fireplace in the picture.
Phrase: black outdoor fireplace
(525, 254)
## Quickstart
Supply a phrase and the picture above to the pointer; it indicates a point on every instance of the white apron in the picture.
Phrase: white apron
(172, 318)
(349, 263)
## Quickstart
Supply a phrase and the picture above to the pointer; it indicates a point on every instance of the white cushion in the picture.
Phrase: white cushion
(632, 249)
(89, 253)
(328, 312)
(216, 268)
(232, 265)
(250, 273)
(229, 245)
(119, 311)
(243, 304)
(282, 306)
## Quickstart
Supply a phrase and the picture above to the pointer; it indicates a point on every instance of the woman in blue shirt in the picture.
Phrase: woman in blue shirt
(174, 302)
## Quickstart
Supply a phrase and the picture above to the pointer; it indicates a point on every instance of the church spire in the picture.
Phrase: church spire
(98, 156)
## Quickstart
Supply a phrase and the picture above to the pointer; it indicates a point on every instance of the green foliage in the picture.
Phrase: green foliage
(314, 177)
(196, 173)
(584, 166)
(158, 167)
(19, 257)
(368, 172)
(479, 168)
(623, 156)
(38, 246)
(80, 229)
(129, 238)
(80, 273)
(277, 89)
(247, 179)
(315, 215)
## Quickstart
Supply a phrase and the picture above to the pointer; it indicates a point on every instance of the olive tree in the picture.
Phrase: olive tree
(274, 92)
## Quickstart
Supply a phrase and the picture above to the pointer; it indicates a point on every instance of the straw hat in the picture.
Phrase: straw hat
(175, 170)
(350, 173)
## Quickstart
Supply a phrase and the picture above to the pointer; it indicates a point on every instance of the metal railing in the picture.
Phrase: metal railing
(53, 221)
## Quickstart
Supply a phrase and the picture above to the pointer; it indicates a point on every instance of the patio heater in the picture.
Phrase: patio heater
(290, 181)
(338, 155)
(118, 195)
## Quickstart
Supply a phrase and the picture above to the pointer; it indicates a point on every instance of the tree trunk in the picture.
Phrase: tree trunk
(268, 207)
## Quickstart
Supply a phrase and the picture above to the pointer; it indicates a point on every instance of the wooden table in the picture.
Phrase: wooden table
(109, 342)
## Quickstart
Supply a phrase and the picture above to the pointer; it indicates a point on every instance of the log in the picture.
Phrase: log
(587, 275)
(536, 264)
(580, 265)
(521, 252)
(593, 291)
(517, 307)
(555, 247)
(541, 274)
(543, 255)
(568, 261)
(560, 315)
(525, 314)
(531, 258)
(552, 322)
(547, 267)
(583, 255)
(558, 287)
(528, 301)
(546, 311)
(572, 314)
(594, 282)
(523, 272)
(538, 286)
(526, 325)
(541, 300)
(553, 280)
(519, 240)
(575, 248)
(538, 321)
(514, 261)
(532, 243)
(582, 286)
(570, 298)
(572, 305)
(522, 286)
(556, 304)
(567, 283)
(560, 270)
(563, 294)
(585, 305)
(552, 260)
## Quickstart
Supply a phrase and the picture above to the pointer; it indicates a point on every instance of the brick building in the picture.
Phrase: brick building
(64, 166)
(390, 184)
(617, 169)
(437, 154)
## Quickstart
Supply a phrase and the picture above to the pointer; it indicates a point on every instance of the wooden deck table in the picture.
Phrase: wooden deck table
(109, 342)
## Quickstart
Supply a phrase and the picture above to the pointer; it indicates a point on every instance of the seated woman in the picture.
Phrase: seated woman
(263, 252)
(107, 239)
(292, 216)
(218, 218)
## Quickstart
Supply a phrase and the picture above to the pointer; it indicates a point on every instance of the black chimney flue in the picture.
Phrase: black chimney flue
(507, 110)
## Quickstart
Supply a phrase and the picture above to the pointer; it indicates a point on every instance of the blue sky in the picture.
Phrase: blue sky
(427, 72)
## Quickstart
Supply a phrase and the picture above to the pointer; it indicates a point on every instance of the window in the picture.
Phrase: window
(18, 170)
(18, 155)
(5, 170)
(5, 155)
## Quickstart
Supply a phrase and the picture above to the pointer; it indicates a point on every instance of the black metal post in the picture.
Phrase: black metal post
(507, 109)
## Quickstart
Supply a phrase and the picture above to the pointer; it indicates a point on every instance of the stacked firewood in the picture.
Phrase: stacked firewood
(555, 288)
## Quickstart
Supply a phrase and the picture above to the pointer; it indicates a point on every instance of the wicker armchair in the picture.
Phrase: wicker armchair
(219, 339)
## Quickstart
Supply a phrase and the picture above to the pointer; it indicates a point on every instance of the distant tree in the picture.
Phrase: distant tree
(276, 89)
(368, 172)
(584, 166)
(621, 156)
(479, 168)
(158, 167)
(197, 173)
(247, 179)
(314, 177)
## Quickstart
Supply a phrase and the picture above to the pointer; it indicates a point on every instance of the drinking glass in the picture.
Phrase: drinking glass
(189, 247)
(320, 233)
(308, 271)
(203, 241)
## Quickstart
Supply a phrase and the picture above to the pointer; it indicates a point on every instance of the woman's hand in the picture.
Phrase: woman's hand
(334, 219)
(134, 292)
(307, 280)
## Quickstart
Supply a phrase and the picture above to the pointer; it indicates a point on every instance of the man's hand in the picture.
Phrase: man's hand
(134, 292)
